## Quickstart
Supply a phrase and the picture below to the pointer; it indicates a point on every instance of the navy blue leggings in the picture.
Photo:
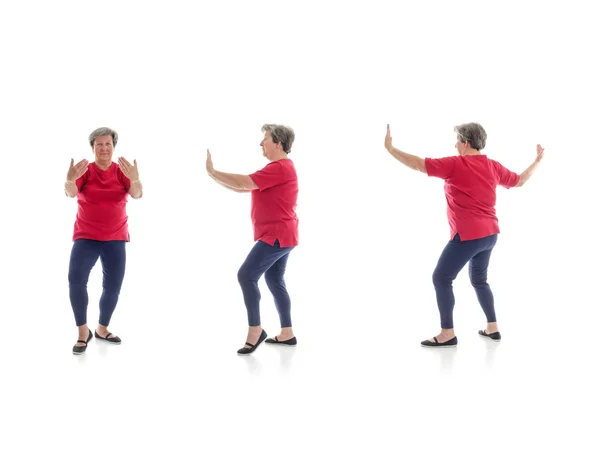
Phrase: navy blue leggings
(270, 261)
(454, 257)
(84, 255)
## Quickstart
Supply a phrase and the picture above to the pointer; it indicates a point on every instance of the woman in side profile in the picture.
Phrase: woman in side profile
(470, 186)
(100, 231)
(274, 191)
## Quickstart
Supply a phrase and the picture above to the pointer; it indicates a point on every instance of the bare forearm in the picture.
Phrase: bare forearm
(527, 173)
(229, 187)
(136, 189)
(412, 161)
(70, 189)
(238, 183)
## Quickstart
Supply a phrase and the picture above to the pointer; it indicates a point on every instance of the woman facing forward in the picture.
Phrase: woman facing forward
(470, 186)
(274, 194)
(100, 230)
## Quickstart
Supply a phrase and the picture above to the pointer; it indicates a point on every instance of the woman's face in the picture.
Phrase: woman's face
(103, 149)
(269, 147)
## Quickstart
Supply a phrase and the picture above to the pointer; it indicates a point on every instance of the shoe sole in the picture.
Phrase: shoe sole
(246, 354)
(81, 353)
(108, 342)
(280, 344)
(487, 337)
(256, 348)
(439, 346)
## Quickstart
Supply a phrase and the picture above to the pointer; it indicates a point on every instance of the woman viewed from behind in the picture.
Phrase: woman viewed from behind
(470, 187)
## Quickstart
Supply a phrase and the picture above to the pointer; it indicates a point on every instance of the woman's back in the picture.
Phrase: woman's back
(470, 187)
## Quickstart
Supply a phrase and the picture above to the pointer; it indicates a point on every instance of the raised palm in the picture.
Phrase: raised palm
(209, 163)
(388, 139)
(540, 152)
(129, 170)
(76, 170)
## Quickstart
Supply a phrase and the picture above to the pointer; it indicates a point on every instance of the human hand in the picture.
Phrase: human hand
(209, 164)
(388, 139)
(129, 170)
(76, 170)
(540, 153)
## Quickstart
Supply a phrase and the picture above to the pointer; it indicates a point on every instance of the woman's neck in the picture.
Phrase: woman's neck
(282, 155)
(103, 165)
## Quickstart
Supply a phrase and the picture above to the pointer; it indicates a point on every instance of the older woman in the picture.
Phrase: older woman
(274, 193)
(470, 185)
(100, 230)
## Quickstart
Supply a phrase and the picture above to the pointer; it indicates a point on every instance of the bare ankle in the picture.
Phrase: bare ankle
(254, 331)
(447, 332)
(492, 327)
(287, 333)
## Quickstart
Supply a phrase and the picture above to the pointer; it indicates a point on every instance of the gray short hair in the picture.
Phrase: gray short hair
(472, 133)
(103, 132)
(280, 133)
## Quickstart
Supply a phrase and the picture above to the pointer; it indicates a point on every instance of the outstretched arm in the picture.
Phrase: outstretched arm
(529, 171)
(412, 161)
(229, 187)
(232, 181)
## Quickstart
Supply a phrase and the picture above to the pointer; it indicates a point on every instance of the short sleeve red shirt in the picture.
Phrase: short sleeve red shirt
(273, 210)
(101, 199)
(470, 187)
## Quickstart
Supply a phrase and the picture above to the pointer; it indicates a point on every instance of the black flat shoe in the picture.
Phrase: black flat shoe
(493, 336)
(247, 351)
(450, 343)
(112, 340)
(80, 350)
(291, 341)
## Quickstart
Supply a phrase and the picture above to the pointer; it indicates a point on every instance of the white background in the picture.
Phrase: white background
(174, 78)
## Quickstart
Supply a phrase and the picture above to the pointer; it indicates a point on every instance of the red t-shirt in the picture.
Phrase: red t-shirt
(101, 203)
(274, 204)
(470, 187)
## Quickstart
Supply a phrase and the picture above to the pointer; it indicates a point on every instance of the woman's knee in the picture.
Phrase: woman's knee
(440, 279)
(78, 278)
(274, 281)
(478, 281)
(478, 277)
(111, 290)
(246, 274)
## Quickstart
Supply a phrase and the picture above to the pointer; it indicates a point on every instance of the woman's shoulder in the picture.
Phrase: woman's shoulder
(285, 164)
(288, 166)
